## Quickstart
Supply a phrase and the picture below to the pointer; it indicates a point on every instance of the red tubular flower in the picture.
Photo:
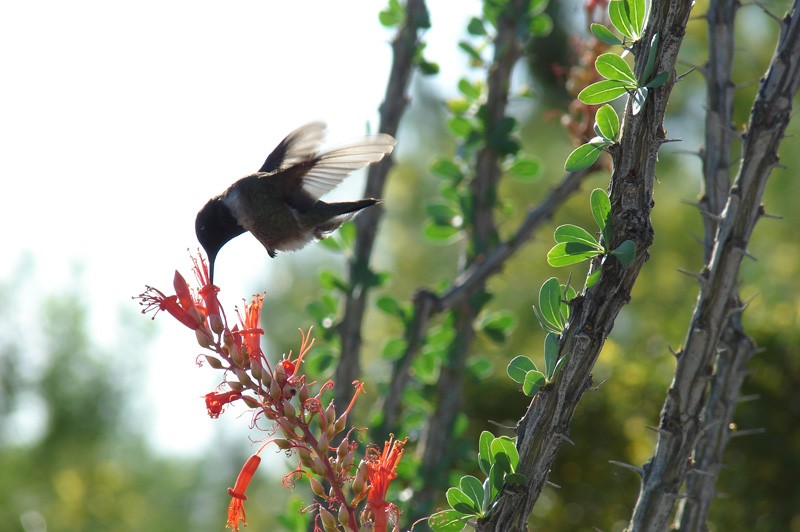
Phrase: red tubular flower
(208, 292)
(236, 508)
(154, 299)
(216, 401)
(251, 331)
(381, 470)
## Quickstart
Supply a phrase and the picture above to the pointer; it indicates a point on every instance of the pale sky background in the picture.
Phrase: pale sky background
(118, 120)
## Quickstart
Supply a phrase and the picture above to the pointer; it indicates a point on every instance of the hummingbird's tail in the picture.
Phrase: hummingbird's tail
(335, 214)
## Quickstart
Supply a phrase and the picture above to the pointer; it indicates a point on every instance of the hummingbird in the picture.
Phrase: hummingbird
(280, 204)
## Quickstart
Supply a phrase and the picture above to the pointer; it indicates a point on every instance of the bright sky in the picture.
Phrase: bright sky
(118, 120)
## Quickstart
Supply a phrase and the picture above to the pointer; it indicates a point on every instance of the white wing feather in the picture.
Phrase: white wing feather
(333, 166)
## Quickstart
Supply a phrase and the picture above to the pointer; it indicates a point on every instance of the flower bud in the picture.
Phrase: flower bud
(305, 457)
(303, 394)
(322, 445)
(275, 390)
(214, 362)
(317, 487)
(343, 449)
(289, 411)
(328, 522)
(255, 369)
(235, 385)
(243, 377)
(360, 482)
(347, 461)
(251, 401)
(216, 323)
(340, 424)
(280, 374)
(344, 515)
(282, 444)
(203, 336)
(330, 414)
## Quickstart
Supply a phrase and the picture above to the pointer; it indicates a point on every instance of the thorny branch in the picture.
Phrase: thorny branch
(681, 424)
(404, 49)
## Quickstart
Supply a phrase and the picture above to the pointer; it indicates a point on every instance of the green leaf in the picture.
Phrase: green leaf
(480, 367)
(541, 25)
(393, 14)
(618, 13)
(607, 122)
(471, 91)
(651, 58)
(518, 367)
(534, 380)
(525, 168)
(447, 521)
(559, 365)
(441, 233)
(550, 354)
(636, 14)
(567, 253)
(391, 306)
(601, 210)
(460, 502)
(592, 279)
(613, 67)
(603, 91)
(504, 445)
(574, 233)
(657, 81)
(582, 157)
(458, 106)
(485, 458)
(331, 243)
(604, 34)
(515, 478)
(473, 488)
(550, 302)
(625, 252)
(499, 325)
(328, 279)
(496, 478)
(393, 348)
(473, 54)
(446, 168)
(475, 27)
(537, 6)
(443, 212)
(639, 99)
(460, 126)
(567, 294)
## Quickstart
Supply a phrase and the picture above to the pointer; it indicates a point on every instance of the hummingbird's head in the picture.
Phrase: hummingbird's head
(215, 225)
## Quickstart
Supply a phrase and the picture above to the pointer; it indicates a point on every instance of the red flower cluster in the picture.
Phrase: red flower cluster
(299, 422)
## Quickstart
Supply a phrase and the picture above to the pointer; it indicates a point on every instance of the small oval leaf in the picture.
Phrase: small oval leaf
(612, 66)
(601, 210)
(550, 354)
(567, 253)
(574, 233)
(603, 91)
(607, 122)
(534, 381)
(582, 157)
(625, 252)
(518, 367)
(604, 34)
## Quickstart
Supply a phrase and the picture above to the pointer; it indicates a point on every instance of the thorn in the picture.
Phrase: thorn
(566, 439)
(665, 141)
(770, 215)
(747, 84)
(747, 432)
(749, 255)
(630, 467)
(687, 152)
(658, 430)
(683, 76)
(748, 398)
(700, 279)
(552, 484)
(677, 353)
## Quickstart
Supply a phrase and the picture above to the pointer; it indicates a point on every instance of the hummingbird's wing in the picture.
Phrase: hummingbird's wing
(323, 173)
(298, 146)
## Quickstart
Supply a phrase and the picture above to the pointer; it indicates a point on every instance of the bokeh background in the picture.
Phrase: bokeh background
(119, 120)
